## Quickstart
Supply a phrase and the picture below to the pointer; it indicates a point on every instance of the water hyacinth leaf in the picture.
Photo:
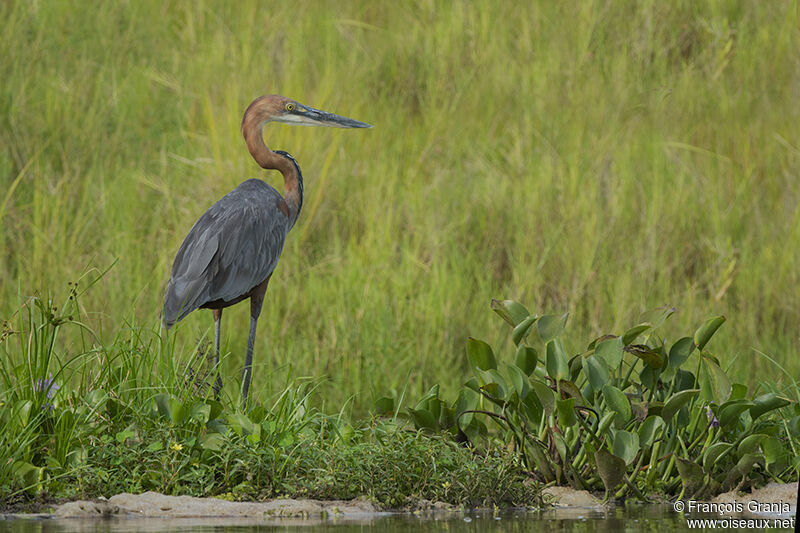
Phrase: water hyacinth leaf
(545, 395)
(424, 419)
(712, 454)
(561, 447)
(650, 428)
(518, 379)
(596, 372)
(646, 354)
(522, 330)
(610, 351)
(480, 355)
(750, 444)
(575, 366)
(684, 380)
(20, 414)
(467, 400)
(714, 382)
(675, 402)
(384, 406)
(626, 445)
(447, 417)
(617, 402)
(766, 403)
(556, 360)
(532, 408)
(629, 336)
(241, 424)
(681, 351)
(743, 468)
(730, 411)
(510, 311)
(610, 468)
(571, 390)
(551, 326)
(691, 475)
(493, 383)
(526, 359)
(707, 330)
(773, 450)
(566, 413)
(794, 426)
(216, 408)
(738, 391)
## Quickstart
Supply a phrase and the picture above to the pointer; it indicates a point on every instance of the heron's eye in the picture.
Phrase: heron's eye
(289, 107)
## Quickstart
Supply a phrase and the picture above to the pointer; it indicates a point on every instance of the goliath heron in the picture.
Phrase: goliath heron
(231, 251)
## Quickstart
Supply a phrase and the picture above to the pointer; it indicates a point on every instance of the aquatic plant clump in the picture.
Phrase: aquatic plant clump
(630, 414)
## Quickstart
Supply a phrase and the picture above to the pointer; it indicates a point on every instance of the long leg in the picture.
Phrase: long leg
(256, 301)
(217, 377)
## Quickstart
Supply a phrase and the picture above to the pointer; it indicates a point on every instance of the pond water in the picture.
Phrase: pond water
(659, 518)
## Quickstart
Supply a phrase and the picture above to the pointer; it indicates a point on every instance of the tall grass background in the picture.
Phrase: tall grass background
(600, 158)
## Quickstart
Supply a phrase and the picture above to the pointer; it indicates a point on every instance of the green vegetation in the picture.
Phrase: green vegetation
(600, 158)
(627, 411)
(137, 416)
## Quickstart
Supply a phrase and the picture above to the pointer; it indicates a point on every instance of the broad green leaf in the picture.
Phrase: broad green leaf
(163, 405)
(510, 311)
(551, 326)
(675, 402)
(200, 412)
(681, 351)
(561, 446)
(212, 441)
(626, 445)
(712, 454)
(773, 450)
(467, 401)
(122, 436)
(617, 402)
(629, 336)
(480, 355)
(493, 383)
(526, 359)
(596, 372)
(241, 424)
(766, 403)
(706, 331)
(750, 444)
(691, 475)
(545, 395)
(566, 413)
(556, 361)
(532, 408)
(157, 446)
(650, 428)
(522, 330)
(610, 468)
(714, 382)
(646, 354)
(738, 391)
(518, 380)
(730, 411)
(424, 419)
(610, 351)
(384, 406)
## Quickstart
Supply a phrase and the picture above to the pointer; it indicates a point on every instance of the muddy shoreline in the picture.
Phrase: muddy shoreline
(155, 505)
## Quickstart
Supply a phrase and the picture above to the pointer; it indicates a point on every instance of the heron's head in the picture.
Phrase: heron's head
(276, 108)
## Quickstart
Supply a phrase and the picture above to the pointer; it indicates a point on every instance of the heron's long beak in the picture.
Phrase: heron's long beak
(308, 116)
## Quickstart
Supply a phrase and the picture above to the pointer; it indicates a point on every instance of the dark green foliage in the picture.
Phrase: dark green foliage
(622, 411)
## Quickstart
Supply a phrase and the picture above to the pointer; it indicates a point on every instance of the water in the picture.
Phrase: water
(659, 518)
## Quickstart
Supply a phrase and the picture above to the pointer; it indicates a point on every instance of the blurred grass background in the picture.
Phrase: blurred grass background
(600, 158)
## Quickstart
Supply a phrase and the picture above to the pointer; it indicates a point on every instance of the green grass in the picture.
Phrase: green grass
(600, 158)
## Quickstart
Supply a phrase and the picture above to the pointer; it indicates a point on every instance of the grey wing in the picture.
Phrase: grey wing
(232, 247)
